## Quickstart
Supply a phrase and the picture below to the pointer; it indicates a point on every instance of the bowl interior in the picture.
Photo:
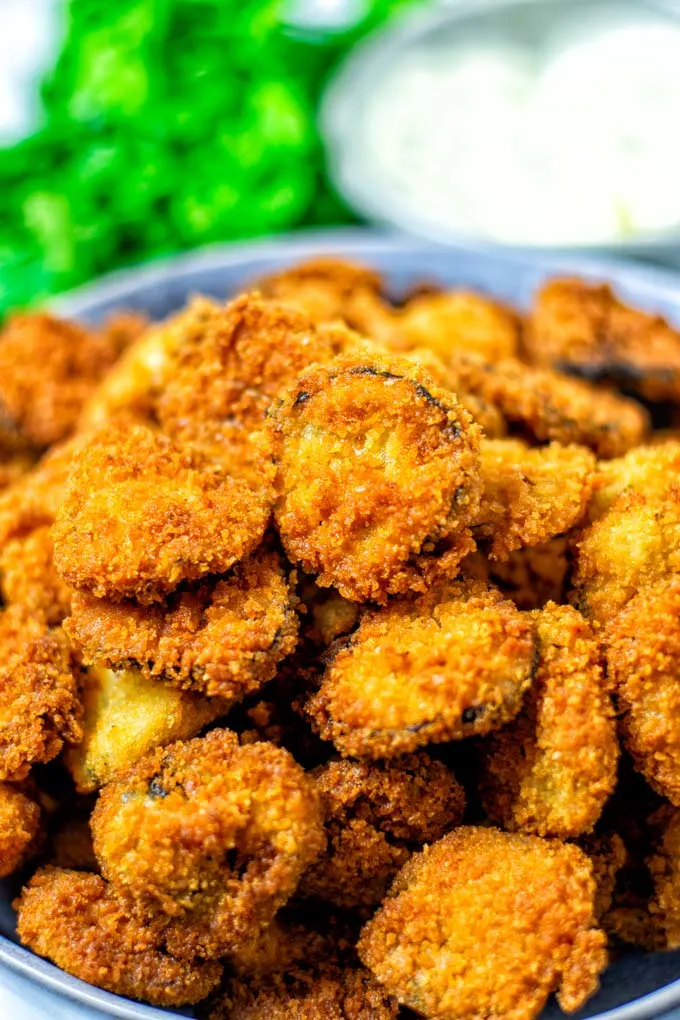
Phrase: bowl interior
(634, 987)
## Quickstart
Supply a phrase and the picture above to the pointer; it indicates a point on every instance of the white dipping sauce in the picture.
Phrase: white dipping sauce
(577, 144)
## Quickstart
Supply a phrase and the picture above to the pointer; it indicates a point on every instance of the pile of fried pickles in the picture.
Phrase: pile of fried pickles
(340, 647)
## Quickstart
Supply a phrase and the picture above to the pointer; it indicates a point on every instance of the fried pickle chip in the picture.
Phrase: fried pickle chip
(74, 920)
(486, 924)
(583, 329)
(551, 771)
(635, 544)
(548, 405)
(643, 659)
(39, 704)
(28, 577)
(377, 472)
(324, 288)
(531, 577)
(454, 662)
(223, 638)
(142, 514)
(33, 500)
(48, 368)
(127, 715)
(531, 495)
(214, 835)
(19, 827)
(649, 470)
(376, 815)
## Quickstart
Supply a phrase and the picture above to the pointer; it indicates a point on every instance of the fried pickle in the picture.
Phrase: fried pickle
(127, 715)
(39, 705)
(584, 329)
(643, 659)
(326, 289)
(141, 515)
(28, 577)
(73, 919)
(376, 814)
(529, 577)
(454, 662)
(548, 405)
(551, 771)
(530, 495)
(19, 827)
(214, 835)
(486, 924)
(649, 470)
(377, 472)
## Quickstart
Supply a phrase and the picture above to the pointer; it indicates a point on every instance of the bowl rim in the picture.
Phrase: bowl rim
(350, 171)
(363, 244)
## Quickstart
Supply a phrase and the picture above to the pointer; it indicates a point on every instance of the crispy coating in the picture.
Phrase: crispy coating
(486, 924)
(583, 329)
(19, 827)
(141, 515)
(13, 467)
(635, 544)
(28, 577)
(232, 367)
(48, 368)
(664, 865)
(551, 770)
(376, 815)
(324, 288)
(448, 664)
(530, 577)
(39, 705)
(213, 834)
(646, 469)
(329, 993)
(551, 406)
(531, 495)
(223, 638)
(34, 499)
(73, 919)
(376, 468)
(326, 614)
(127, 715)
(643, 659)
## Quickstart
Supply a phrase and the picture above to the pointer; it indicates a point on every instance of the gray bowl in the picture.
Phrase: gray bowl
(525, 23)
(635, 988)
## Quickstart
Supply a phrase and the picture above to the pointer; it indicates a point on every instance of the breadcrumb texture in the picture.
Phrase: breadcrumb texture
(73, 919)
(141, 515)
(377, 468)
(454, 662)
(643, 661)
(28, 577)
(488, 924)
(39, 705)
(376, 814)
(551, 771)
(585, 330)
(19, 827)
(664, 865)
(214, 835)
(325, 288)
(223, 639)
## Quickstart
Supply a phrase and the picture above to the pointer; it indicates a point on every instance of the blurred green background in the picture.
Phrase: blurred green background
(166, 124)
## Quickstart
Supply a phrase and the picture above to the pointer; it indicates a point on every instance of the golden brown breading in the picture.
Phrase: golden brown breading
(376, 814)
(448, 664)
(213, 834)
(19, 827)
(609, 856)
(327, 993)
(550, 406)
(122, 329)
(28, 577)
(48, 368)
(141, 515)
(486, 924)
(324, 288)
(530, 495)
(643, 659)
(326, 614)
(664, 865)
(648, 469)
(74, 920)
(530, 577)
(583, 329)
(33, 500)
(224, 638)
(39, 705)
(635, 544)
(127, 715)
(376, 468)
(13, 468)
(551, 770)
